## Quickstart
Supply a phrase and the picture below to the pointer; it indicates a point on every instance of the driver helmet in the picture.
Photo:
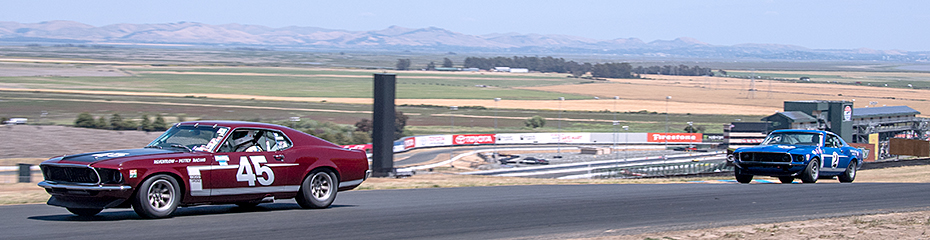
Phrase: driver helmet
(240, 137)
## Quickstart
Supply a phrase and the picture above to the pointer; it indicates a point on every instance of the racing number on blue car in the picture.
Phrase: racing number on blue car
(255, 171)
(836, 160)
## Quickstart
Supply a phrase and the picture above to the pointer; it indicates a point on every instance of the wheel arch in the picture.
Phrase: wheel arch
(856, 161)
(815, 158)
(330, 168)
(182, 185)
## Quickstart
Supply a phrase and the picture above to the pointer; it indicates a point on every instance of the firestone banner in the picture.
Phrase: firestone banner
(675, 137)
(467, 139)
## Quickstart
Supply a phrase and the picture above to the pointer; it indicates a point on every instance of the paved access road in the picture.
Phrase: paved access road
(484, 212)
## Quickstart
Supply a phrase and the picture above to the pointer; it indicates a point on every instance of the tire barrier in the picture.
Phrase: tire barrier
(665, 169)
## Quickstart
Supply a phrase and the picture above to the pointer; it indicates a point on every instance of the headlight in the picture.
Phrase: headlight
(110, 176)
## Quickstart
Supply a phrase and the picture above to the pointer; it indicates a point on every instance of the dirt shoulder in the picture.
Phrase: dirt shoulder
(897, 225)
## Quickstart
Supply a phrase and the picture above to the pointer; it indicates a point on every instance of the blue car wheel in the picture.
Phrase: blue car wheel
(812, 171)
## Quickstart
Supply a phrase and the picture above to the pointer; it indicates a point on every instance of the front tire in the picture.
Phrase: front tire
(85, 212)
(157, 197)
(850, 174)
(812, 172)
(742, 178)
(318, 190)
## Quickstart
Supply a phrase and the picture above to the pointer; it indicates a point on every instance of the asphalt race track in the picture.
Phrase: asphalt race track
(485, 212)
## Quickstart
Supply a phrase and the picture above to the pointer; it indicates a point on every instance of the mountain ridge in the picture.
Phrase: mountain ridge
(421, 39)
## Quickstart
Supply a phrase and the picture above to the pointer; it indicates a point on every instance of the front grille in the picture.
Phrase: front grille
(764, 157)
(70, 174)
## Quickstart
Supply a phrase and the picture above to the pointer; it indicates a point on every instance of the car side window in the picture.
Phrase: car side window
(242, 140)
(255, 140)
(832, 142)
(274, 141)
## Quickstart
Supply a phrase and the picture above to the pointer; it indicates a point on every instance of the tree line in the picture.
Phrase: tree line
(342, 134)
(599, 70)
(404, 64)
(680, 70)
(116, 122)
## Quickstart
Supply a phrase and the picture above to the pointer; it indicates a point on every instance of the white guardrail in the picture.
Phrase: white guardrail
(16, 168)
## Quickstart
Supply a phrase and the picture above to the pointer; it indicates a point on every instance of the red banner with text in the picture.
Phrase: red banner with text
(675, 137)
(473, 139)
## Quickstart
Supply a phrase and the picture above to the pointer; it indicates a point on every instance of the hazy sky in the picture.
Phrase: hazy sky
(828, 24)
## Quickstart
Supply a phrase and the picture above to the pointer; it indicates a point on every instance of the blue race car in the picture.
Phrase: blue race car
(805, 154)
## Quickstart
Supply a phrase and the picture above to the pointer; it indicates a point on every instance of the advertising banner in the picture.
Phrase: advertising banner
(364, 147)
(399, 145)
(516, 138)
(430, 141)
(675, 137)
(467, 139)
(410, 143)
(566, 137)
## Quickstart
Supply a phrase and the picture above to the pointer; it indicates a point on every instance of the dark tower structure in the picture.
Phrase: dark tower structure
(835, 116)
(382, 136)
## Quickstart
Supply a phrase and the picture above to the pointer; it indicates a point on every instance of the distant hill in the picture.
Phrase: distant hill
(419, 39)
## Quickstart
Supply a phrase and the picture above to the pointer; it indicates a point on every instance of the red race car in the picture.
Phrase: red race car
(206, 162)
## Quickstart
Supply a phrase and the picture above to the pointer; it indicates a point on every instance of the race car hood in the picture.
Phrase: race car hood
(88, 158)
(793, 149)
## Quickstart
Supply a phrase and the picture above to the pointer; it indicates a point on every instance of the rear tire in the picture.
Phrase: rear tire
(85, 212)
(812, 172)
(157, 197)
(850, 174)
(786, 179)
(318, 190)
(742, 178)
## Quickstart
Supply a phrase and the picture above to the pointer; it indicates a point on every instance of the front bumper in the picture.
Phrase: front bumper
(89, 187)
(86, 196)
(775, 169)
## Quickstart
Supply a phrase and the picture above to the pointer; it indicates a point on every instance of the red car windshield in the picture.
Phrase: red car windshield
(190, 138)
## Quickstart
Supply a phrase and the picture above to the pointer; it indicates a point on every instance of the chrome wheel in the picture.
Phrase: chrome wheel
(852, 172)
(318, 190)
(157, 197)
(160, 195)
(815, 171)
(321, 186)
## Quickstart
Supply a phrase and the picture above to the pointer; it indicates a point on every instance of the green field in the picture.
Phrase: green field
(303, 83)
